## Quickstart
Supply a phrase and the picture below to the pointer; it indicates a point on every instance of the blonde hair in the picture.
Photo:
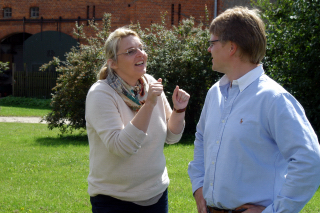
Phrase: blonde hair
(111, 48)
(245, 28)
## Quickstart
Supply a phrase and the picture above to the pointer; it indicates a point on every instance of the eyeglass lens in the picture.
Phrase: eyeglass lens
(212, 42)
(133, 51)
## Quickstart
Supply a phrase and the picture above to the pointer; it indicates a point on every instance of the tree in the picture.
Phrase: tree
(77, 74)
(292, 58)
(178, 55)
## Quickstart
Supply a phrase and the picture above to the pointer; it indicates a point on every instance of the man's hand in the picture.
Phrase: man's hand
(201, 203)
(251, 208)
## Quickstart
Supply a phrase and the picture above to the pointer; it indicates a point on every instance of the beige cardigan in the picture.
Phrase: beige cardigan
(126, 163)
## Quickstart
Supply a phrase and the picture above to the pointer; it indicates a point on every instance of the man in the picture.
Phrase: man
(255, 150)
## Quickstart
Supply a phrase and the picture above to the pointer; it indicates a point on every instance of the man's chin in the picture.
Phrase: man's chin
(214, 69)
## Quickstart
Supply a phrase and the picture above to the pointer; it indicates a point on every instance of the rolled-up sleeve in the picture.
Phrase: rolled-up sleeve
(104, 119)
(196, 168)
(299, 145)
(171, 137)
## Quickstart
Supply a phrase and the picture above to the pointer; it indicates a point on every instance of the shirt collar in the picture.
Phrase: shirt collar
(245, 80)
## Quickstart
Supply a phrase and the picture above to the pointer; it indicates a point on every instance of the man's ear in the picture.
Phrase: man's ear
(112, 64)
(233, 48)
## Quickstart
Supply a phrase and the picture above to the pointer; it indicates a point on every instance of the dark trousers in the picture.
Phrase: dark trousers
(107, 204)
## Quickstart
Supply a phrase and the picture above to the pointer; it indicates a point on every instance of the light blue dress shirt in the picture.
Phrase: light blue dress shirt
(255, 145)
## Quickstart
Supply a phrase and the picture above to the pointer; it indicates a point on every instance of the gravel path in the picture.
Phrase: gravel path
(21, 119)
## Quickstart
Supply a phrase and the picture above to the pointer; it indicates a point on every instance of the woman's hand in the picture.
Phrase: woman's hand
(180, 98)
(142, 118)
(155, 90)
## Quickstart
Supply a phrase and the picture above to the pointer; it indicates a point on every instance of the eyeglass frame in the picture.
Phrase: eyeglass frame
(134, 49)
(212, 42)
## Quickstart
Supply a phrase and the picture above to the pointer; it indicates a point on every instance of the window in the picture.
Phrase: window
(87, 16)
(7, 12)
(179, 14)
(34, 12)
(172, 14)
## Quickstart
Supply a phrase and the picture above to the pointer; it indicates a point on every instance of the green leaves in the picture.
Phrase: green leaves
(4, 66)
(178, 55)
(78, 73)
(293, 50)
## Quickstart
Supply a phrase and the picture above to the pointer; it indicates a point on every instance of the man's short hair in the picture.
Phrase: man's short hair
(244, 27)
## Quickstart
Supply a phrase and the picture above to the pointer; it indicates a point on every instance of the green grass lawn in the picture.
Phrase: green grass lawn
(23, 111)
(178, 157)
(17, 106)
(44, 172)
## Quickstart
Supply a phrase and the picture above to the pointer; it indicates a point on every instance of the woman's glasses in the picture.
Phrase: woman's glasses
(133, 51)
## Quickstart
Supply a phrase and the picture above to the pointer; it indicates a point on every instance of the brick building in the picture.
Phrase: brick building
(32, 31)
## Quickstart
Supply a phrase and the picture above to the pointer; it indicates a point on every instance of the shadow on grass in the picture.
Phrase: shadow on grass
(64, 140)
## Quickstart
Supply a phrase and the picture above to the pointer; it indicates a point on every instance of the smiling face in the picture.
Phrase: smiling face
(130, 67)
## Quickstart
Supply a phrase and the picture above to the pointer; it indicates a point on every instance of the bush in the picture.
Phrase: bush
(78, 73)
(292, 58)
(4, 66)
(178, 55)
(25, 102)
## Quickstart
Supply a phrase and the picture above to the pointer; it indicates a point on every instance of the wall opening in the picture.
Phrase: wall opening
(172, 14)
(179, 13)
(11, 50)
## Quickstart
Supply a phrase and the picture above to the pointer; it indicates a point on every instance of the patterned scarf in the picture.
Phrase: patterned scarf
(133, 96)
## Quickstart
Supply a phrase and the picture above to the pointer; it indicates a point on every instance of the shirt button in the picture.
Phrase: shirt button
(222, 121)
(218, 142)
(212, 162)
(211, 184)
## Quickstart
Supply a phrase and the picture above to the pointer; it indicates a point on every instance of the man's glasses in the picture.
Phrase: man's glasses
(133, 51)
(212, 42)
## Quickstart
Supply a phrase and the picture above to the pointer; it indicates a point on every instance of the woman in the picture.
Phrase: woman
(128, 121)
